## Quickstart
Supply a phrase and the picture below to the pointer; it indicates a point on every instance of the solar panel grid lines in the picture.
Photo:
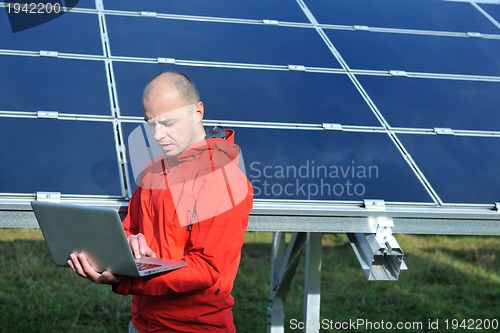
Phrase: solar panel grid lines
(465, 34)
(495, 19)
(422, 176)
(120, 146)
(431, 16)
(417, 53)
(378, 114)
(214, 19)
(414, 166)
(330, 72)
(258, 43)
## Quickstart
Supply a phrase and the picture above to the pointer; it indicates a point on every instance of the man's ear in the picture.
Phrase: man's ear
(200, 112)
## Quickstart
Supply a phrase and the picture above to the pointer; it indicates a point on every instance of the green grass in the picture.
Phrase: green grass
(448, 278)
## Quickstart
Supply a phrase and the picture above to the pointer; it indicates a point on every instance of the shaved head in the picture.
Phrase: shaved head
(174, 112)
(169, 82)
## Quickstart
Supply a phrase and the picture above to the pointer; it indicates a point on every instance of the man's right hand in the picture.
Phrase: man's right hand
(139, 246)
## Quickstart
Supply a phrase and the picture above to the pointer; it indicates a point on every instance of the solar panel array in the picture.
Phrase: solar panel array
(330, 100)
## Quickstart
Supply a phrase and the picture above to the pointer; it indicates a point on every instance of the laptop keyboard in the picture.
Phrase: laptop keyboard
(141, 266)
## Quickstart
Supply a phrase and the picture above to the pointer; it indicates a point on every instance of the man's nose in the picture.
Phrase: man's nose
(159, 132)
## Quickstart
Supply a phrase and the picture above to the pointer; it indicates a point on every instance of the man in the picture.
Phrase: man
(192, 203)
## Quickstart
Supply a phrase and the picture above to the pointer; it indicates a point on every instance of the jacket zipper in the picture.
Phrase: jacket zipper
(190, 223)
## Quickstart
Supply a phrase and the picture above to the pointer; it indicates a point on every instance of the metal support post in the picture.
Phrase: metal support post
(312, 285)
(285, 259)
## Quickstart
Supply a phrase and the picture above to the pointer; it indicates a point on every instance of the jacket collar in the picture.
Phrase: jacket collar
(217, 138)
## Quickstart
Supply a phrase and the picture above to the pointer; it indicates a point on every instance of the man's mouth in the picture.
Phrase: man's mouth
(166, 146)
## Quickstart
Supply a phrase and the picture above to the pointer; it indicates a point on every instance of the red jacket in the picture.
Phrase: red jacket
(195, 208)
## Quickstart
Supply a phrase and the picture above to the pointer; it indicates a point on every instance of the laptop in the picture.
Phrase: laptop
(98, 232)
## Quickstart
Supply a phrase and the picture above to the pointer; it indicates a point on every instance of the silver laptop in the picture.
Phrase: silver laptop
(98, 232)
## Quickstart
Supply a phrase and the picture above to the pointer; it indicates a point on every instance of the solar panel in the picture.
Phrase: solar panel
(70, 33)
(282, 10)
(414, 102)
(461, 169)
(48, 155)
(327, 165)
(366, 117)
(81, 3)
(217, 41)
(429, 15)
(341, 83)
(417, 53)
(63, 85)
(492, 10)
(264, 95)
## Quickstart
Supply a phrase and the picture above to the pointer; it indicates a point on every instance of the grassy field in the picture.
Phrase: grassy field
(448, 278)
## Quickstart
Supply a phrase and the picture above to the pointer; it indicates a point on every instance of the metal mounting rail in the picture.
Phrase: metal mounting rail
(311, 216)
(353, 217)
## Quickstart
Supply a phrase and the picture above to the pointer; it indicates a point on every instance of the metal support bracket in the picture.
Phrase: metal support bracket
(374, 204)
(48, 54)
(379, 253)
(299, 68)
(270, 22)
(443, 131)
(148, 14)
(166, 60)
(48, 196)
(361, 27)
(398, 73)
(475, 34)
(47, 114)
(332, 127)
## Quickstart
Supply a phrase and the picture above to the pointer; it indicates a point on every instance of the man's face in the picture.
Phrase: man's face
(172, 122)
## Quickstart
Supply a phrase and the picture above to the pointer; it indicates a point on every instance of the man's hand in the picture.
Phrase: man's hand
(81, 265)
(140, 247)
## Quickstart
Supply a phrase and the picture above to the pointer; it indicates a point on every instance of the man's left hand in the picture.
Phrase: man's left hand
(81, 265)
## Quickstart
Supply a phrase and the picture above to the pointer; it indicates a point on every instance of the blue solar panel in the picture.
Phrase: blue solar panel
(264, 95)
(264, 76)
(317, 165)
(69, 33)
(429, 103)
(493, 10)
(71, 157)
(418, 53)
(215, 41)
(408, 14)
(62, 85)
(461, 169)
(90, 4)
(283, 10)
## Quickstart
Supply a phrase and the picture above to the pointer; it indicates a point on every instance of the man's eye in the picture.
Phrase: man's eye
(166, 123)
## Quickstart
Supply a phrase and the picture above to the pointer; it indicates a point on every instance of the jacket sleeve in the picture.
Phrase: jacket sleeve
(211, 246)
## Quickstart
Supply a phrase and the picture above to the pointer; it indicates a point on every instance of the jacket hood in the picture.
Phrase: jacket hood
(218, 142)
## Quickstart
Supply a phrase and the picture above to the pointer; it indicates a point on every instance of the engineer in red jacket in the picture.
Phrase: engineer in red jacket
(192, 203)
